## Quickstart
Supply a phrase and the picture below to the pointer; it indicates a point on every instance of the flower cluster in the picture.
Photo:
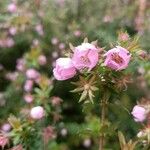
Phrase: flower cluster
(86, 56)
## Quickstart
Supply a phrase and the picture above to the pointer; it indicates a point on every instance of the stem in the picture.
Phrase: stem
(103, 115)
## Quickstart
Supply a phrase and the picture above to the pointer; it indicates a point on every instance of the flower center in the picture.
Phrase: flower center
(116, 58)
(84, 59)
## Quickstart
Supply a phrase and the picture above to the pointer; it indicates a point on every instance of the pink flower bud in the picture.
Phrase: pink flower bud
(37, 112)
(85, 56)
(64, 69)
(28, 98)
(42, 60)
(32, 74)
(28, 85)
(117, 58)
(139, 113)
(12, 8)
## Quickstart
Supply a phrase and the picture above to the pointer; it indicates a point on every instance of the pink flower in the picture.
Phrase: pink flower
(32, 74)
(6, 127)
(37, 112)
(117, 58)
(42, 60)
(139, 113)
(12, 8)
(3, 140)
(28, 98)
(85, 56)
(28, 85)
(64, 69)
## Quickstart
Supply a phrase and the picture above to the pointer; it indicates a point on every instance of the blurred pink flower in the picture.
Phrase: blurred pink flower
(28, 85)
(37, 112)
(56, 101)
(117, 58)
(123, 36)
(28, 98)
(10, 42)
(12, 30)
(12, 76)
(143, 54)
(6, 127)
(61, 46)
(39, 29)
(12, 8)
(32, 74)
(139, 113)
(87, 143)
(107, 19)
(85, 56)
(35, 42)
(42, 60)
(54, 41)
(3, 140)
(77, 33)
(49, 134)
(20, 64)
(55, 54)
(64, 69)
(60, 2)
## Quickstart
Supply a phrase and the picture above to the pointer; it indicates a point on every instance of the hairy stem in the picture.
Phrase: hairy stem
(103, 115)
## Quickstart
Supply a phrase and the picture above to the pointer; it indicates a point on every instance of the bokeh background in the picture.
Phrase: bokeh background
(33, 28)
